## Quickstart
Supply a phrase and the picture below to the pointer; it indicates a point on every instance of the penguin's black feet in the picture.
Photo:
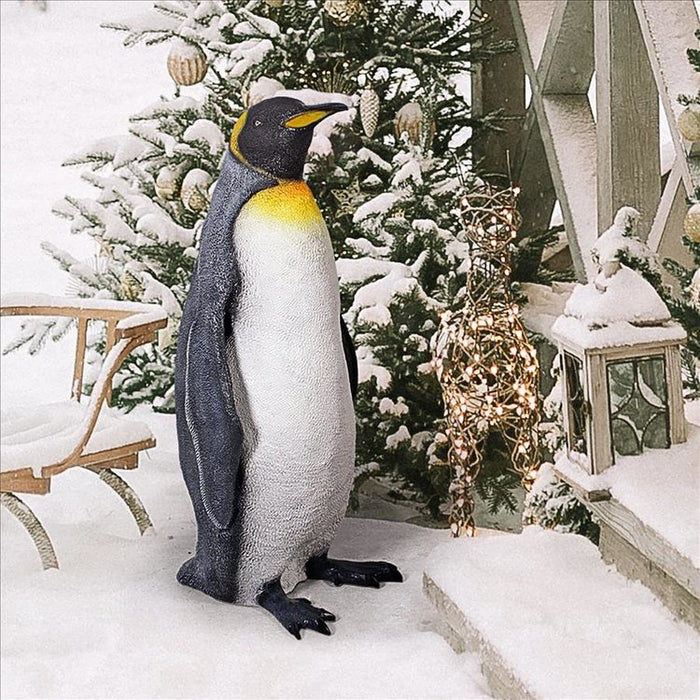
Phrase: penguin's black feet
(294, 614)
(354, 573)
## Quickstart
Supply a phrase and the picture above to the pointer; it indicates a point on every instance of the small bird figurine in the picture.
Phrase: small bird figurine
(265, 379)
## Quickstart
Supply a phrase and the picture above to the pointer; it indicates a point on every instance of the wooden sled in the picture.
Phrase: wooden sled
(42, 441)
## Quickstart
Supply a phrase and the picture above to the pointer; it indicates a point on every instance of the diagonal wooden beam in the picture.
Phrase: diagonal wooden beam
(627, 113)
(665, 205)
(666, 35)
(566, 124)
(665, 237)
(569, 138)
(567, 59)
(537, 194)
(534, 18)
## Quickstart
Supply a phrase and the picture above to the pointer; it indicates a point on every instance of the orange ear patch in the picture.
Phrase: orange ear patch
(299, 121)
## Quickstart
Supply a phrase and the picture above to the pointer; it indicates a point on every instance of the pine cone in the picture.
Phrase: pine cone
(369, 111)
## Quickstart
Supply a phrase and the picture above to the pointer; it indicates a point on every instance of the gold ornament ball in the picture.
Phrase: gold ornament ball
(691, 223)
(187, 63)
(689, 123)
(166, 183)
(194, 190)
(345, 12)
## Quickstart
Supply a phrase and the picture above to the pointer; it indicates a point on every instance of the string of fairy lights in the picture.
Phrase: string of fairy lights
(485, 364)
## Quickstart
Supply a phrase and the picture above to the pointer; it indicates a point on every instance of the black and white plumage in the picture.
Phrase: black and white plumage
(264, 380)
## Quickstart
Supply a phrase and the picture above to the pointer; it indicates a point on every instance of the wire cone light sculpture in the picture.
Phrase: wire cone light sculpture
(485, 364)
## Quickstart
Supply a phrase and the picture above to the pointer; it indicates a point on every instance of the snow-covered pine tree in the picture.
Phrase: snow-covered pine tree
(685, 308)
(384, 174)
(685, 305)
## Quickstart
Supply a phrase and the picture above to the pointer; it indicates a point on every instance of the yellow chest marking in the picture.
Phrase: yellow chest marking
(290, 203)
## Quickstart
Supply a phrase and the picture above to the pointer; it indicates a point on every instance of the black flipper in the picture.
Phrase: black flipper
(209, 431)
(350, 357)
(206, 413)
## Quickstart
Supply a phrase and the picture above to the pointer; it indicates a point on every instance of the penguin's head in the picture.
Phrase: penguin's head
(273, 136)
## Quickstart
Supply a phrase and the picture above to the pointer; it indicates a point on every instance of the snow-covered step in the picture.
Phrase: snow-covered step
(647, 508)
(549, 620)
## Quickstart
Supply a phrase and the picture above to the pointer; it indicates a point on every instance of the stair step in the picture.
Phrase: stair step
(550, 619)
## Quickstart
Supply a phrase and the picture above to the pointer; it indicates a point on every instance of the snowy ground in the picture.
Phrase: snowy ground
(565, 624)
(113, 622)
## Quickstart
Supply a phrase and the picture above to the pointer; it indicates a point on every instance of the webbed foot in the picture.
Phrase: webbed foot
(294, 614)
(354, 573)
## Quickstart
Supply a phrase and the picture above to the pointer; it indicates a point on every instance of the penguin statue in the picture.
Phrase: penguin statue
(265, 379)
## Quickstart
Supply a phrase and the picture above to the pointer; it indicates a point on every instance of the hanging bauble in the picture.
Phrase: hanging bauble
(369, 111)
(409, 120)
(167, 183)
(691, 223)
(187, 63)
(193, 192)
(689, 123)
(345, 12)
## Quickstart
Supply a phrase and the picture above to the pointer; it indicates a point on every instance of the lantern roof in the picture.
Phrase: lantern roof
(619, 307)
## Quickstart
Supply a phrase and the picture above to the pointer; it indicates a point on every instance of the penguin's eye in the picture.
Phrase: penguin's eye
(257, 122)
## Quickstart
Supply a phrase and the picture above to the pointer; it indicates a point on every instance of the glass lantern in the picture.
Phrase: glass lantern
(622, 391)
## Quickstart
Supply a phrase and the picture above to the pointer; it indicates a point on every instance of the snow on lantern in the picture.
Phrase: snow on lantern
(621, 365)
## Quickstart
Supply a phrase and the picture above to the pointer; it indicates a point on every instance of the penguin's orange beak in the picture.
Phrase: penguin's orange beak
(313, 114)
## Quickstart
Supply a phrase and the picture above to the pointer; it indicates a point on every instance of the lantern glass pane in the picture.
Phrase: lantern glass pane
(638, 404)
(576, 404)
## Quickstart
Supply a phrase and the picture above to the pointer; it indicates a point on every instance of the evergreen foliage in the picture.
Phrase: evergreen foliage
(388, 198)
(552, 503)
(685, 306)
(685, 309)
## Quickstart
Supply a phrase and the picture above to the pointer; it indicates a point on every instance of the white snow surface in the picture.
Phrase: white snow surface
(566, 624)
(661, 487)
(113, 621)
(40, 436)
(377, 205)
(625, 296)
(206, 130)
(621, 237)
(623, 309)
(615, 334)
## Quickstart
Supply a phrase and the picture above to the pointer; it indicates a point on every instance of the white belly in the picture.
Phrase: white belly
(292, 393)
